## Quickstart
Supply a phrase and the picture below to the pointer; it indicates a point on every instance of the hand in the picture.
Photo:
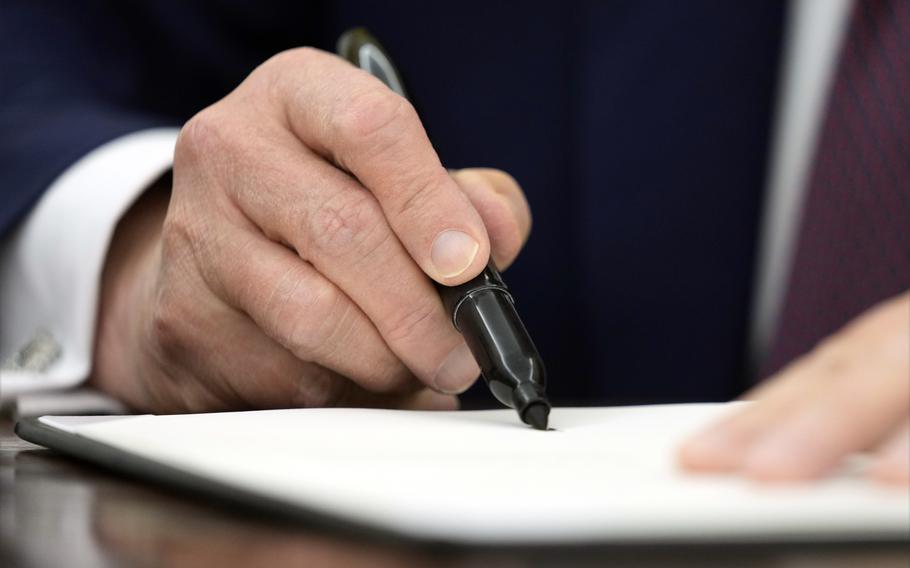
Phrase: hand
(291, 263)
(850, 394)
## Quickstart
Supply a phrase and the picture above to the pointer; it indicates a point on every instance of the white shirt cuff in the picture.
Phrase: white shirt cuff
(50, 266)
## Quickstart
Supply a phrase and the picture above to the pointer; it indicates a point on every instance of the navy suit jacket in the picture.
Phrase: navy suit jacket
(638, 129)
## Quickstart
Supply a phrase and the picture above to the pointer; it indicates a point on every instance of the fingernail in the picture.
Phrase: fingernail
(457, 372)
(453, 252)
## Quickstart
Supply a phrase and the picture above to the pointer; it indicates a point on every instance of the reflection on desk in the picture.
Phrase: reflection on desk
(59, 512)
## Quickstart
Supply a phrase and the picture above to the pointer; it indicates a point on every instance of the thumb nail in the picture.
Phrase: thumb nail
(453, 252)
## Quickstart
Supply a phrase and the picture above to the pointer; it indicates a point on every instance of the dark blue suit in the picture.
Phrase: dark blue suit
(638, 129)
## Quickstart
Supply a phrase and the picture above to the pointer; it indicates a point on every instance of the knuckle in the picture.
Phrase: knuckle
(216, 144)
(278, 73)
(410, 324)
(319, 388)
(377, 112)
(348, 222)
(423, 191)
(176, 236)
(337, 330)
(199, 137)
(173, 239)
(165, 325)
(314, 308)
(182, 242)
(294, 56)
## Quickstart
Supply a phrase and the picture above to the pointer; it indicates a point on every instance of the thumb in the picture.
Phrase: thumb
(502, 206)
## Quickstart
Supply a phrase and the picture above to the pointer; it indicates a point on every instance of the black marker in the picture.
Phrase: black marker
(482, 309)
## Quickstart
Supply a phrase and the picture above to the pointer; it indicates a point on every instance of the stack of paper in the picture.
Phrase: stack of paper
(602, 474)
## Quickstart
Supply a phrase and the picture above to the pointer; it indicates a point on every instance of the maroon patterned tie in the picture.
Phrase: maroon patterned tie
(854, 241)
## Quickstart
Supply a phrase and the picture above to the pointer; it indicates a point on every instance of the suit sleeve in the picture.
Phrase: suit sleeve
(77, 146)
(91, 96)
(71, 81)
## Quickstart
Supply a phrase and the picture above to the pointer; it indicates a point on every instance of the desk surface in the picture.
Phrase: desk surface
(59, 512)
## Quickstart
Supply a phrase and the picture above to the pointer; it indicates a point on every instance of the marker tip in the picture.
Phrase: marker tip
(536, 415)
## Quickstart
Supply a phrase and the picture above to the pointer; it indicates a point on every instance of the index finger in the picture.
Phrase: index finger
(350, 117)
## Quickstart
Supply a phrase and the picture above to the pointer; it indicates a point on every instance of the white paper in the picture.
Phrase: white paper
(604, 474)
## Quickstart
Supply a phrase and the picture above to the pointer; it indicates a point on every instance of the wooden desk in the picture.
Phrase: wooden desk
(59, 512)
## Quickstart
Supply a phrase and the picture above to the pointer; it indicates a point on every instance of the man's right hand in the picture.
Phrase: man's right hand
(291, 263)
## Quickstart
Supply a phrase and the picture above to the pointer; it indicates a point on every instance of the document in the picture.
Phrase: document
(600, 474)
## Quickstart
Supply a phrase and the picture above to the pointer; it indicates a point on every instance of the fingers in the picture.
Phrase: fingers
(813, 439)
(503, 208)
(333, 223)
(804, 431)
(273, 377)
(371, 237)
(723, 446)
(303, 311)
(350, 117)
(266, 375)
(423, 399)
(848, 395)
(234, 365)
(892, 465)
(257, 372)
